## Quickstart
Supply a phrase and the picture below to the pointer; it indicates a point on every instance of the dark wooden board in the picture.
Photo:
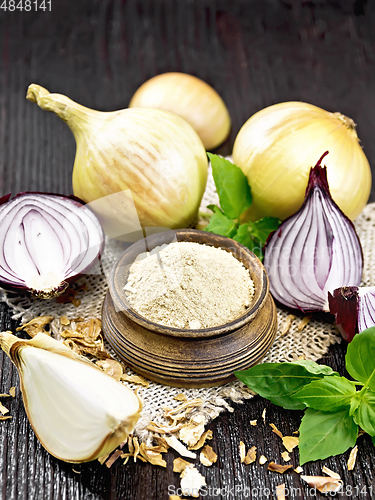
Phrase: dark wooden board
(254, 53)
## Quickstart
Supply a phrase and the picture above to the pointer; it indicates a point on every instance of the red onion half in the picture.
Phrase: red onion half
(354, 309)
(47, 240)
(314, 251)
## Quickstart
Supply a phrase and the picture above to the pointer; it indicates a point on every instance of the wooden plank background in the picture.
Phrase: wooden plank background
(254, 53)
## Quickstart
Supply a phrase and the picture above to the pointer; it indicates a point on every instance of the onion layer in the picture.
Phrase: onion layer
(47, 240)
(314, 251)
(354, 309)
(77, 412)
(276, 147)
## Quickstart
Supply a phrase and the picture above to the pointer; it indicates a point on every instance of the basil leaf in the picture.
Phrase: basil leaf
(261, 229)
(364, 415)
(278, 382)
(354, 403)
(323, 434)
(220, 223)
(244, 237)
(253, 235)
(327, 394)
(231, 186)
(360, 357)
(315, 368)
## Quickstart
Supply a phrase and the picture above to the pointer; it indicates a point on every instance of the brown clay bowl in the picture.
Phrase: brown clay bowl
(183, 357)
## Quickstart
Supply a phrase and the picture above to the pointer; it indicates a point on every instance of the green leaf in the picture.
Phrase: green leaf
(253, 235)
(244, 237)
(231, 186)
(360, 357)
(278, 382)
(262, 228)
(327, 394)
(315, 368)
(364, 415)
(323, 434)
(220, 223)
(215, 208)
(354, 403)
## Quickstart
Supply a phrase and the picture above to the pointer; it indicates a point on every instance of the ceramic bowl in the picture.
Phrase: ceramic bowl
(184, 357)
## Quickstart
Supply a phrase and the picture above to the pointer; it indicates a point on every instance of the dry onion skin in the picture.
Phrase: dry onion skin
(192, 99)
(278, 145)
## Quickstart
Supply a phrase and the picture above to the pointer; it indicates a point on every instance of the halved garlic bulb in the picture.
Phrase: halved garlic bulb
(78, 412)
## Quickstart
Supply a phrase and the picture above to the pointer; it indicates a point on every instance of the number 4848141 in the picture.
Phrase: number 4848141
(26, 5)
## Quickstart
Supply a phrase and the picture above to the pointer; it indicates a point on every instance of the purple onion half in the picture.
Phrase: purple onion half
(314, 251)
(353, 308)
(47, 241)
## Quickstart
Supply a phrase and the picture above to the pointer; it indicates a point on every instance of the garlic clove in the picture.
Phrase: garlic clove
(77, 412)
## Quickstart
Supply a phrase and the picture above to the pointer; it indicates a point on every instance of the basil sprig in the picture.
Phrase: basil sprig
(335, 408)
(280, 382)
(235, 198)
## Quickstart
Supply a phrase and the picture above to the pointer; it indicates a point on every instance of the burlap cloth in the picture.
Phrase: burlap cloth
(312, 342)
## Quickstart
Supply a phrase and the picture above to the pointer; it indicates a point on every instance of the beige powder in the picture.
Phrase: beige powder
(189, 285)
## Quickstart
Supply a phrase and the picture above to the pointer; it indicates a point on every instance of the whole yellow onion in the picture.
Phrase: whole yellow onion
(192, 99)
(277, 147)
(138, 168)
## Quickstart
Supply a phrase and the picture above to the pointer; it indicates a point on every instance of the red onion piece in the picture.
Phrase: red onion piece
(47, 240)
(343, 303)
(354, 309)
(314, 251)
